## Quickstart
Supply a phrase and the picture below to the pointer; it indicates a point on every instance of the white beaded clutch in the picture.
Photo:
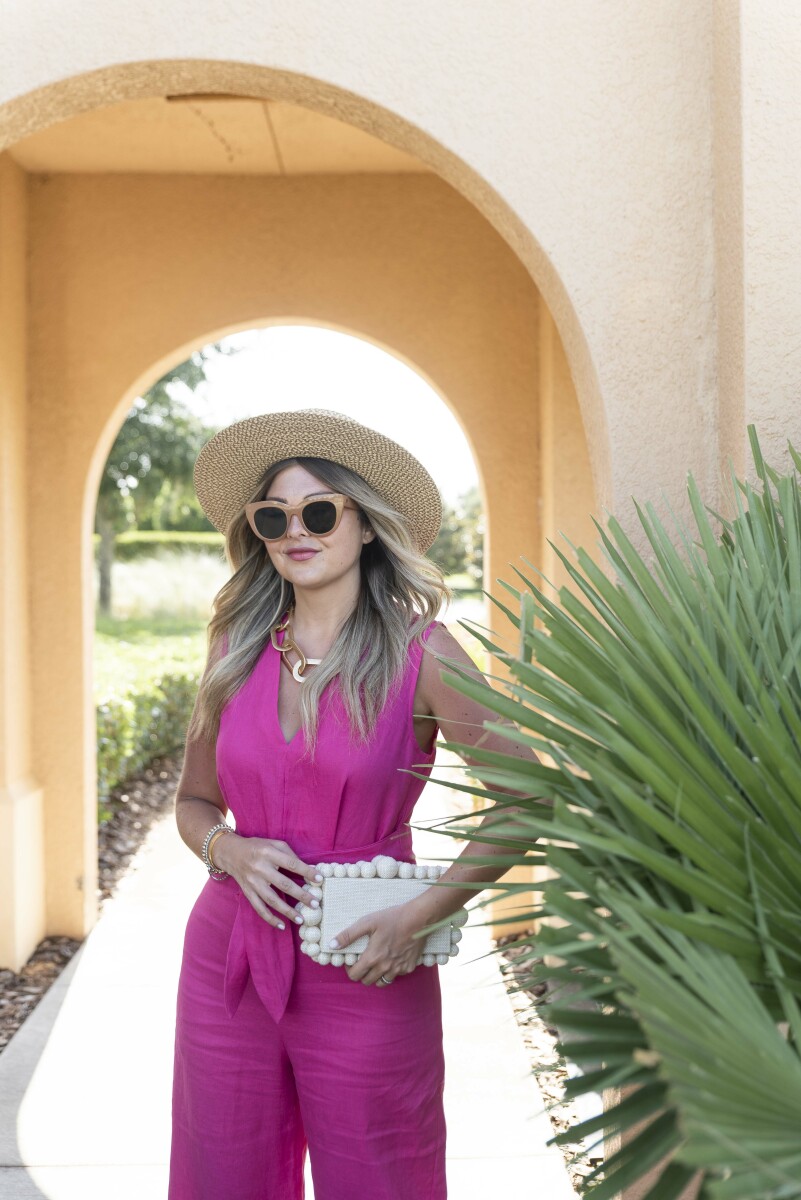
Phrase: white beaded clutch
(353, 890)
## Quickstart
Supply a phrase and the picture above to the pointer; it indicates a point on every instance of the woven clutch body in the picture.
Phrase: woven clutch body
(350, 891)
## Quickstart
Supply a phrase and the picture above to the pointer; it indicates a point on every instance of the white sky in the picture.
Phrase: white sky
(303, 366)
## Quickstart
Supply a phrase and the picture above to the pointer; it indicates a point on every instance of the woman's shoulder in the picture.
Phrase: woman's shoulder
(442, 644)
(431, 636)
(439, 638)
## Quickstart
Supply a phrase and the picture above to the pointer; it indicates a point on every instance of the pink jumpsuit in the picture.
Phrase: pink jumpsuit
(275, 1053)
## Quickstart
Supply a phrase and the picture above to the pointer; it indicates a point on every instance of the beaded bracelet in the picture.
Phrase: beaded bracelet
(214, 872)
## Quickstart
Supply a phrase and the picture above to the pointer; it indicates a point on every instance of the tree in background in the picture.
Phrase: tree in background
(459, 545)
(147, 481)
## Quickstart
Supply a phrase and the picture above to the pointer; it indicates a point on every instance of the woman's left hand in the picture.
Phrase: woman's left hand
(392, 949)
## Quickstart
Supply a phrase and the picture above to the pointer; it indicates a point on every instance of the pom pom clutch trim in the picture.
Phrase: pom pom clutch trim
(353, 890)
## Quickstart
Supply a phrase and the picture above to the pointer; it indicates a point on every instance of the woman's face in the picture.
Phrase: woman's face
(333, 555)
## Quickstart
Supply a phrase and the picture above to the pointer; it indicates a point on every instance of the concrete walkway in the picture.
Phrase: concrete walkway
(85, 1084)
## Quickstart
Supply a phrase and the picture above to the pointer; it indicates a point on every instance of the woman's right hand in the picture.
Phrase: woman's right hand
(257, 865)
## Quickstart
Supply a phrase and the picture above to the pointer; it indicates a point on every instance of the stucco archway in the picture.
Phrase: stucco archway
(492, 354)
(71, 96)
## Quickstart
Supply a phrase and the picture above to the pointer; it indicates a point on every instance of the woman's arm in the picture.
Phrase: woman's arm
(199, 803)
(460, 720)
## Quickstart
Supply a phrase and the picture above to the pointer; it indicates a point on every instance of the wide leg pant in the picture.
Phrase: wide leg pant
(354, 1073)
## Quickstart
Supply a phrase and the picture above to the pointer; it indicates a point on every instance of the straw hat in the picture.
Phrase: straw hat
(233, 461)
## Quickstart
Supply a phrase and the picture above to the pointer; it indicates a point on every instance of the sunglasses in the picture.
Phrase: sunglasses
(269, 519)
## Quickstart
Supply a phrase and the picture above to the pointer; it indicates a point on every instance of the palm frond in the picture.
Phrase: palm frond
(668, 695)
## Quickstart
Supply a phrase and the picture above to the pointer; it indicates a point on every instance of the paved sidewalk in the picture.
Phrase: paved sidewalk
(85, 1084)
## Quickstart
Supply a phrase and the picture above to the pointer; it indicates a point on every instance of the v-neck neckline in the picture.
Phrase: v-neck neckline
(277, 670)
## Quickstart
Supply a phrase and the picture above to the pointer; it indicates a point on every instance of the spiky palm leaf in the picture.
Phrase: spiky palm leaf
(669, 700)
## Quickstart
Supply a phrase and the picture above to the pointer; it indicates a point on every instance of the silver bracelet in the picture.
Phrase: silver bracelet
(215, 872)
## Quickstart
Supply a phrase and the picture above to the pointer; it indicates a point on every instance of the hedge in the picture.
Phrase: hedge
(134, 729)
(148, 543)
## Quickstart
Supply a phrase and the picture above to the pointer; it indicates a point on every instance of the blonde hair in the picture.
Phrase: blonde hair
(401, 592)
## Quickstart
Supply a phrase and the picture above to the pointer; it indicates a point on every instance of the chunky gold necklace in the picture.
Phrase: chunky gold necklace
(290, 644)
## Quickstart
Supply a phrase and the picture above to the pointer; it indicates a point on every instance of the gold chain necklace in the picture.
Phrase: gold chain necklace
(290, 644)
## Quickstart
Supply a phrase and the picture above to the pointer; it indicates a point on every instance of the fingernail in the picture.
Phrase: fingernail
(315, 903)
(281, 925)
(299, 919)
(319, 878)
(332, 945)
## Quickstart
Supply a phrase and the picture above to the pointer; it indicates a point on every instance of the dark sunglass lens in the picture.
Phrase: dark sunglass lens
(319, 516)
(270, 522)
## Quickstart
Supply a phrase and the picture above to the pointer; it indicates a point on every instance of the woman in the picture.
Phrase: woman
(316, 704)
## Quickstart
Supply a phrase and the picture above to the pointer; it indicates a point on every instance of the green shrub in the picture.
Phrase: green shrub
(135, 728)
(150, 543)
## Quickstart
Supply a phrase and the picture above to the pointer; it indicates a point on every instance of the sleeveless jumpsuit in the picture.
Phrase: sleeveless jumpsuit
(275, 1053)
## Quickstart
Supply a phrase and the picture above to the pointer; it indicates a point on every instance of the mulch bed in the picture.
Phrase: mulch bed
(19, 994)
(540, 1040)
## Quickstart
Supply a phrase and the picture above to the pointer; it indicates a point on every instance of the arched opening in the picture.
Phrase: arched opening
(164, 562)
(384, 141)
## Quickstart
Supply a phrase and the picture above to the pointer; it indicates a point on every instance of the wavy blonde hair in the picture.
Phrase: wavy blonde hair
(401, 592)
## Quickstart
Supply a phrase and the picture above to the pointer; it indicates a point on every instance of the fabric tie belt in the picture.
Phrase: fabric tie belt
(267, 952)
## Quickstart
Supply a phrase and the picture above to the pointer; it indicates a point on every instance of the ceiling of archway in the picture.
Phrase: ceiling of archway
(236, 135)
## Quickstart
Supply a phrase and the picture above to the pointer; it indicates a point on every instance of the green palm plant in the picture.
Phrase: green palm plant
(669, 701)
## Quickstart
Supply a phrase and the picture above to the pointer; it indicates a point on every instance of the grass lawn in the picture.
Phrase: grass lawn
(130, 652)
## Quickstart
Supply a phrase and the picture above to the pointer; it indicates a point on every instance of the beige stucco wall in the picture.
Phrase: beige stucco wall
(567, 496)
(22, 902)
(770, 39)
(757, 150)
(729, 233)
